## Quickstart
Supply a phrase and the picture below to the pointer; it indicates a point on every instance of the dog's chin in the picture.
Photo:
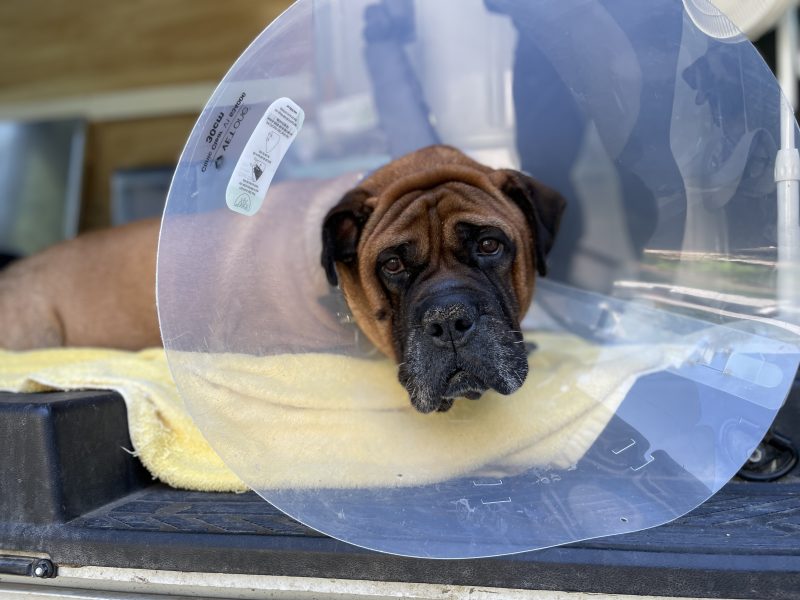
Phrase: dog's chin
(436, 389)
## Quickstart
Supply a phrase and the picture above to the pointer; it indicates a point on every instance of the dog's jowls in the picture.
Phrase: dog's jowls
(437, 257)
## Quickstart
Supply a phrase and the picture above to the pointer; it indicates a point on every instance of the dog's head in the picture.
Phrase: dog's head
(437, 257)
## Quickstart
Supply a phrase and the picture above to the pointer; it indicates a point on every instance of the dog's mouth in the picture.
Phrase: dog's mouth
(462, 384)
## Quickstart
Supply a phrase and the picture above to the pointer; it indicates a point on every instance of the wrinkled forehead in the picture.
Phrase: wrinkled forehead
(430, 217)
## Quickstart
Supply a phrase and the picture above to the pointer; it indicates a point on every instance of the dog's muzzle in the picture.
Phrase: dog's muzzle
(458, 346)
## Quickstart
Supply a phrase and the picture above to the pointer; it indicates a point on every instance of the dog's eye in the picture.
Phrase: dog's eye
(393, 266)
(488, 246)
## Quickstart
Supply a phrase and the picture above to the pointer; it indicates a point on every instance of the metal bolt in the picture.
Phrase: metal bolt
(757, 456)
(44, 569)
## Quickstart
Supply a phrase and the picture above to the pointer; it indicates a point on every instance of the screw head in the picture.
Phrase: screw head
(44, 569)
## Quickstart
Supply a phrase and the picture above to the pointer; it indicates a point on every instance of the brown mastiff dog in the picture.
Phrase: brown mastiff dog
(435, 253)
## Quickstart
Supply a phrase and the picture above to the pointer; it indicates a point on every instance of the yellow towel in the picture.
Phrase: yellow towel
(320, 420)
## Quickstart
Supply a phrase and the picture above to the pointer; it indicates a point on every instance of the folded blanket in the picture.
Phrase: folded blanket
(323, 420)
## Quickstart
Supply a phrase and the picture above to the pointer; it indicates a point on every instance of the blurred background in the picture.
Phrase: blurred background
(97, 99)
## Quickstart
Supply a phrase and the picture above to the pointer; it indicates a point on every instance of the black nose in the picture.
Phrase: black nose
(449, 324)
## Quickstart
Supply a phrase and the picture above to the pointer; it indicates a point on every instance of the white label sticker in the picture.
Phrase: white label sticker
(262, 155)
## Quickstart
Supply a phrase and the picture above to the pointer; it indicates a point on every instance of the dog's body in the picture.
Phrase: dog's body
(435, 253)
(95, 290)
(99, 289)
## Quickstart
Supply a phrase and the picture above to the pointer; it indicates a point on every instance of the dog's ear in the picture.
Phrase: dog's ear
(541, 205)
(341, 231)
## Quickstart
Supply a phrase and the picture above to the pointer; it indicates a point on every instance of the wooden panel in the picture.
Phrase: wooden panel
(57, 48)
(127, 144)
